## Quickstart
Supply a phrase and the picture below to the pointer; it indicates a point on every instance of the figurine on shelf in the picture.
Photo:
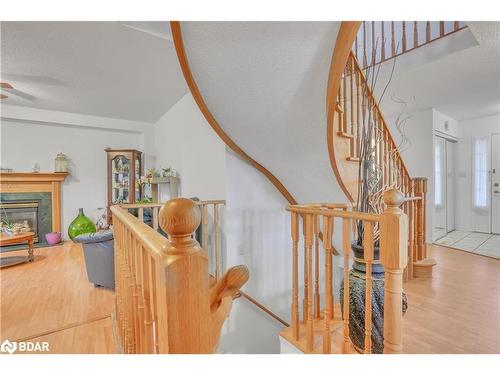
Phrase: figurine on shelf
(152, 172)
(119, 165)
(168, 172)
(165, 172)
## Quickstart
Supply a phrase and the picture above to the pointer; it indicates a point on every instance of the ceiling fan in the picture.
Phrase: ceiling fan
(11, 90)
(6, 86)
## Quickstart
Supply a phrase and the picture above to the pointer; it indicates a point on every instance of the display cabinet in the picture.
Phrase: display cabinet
(124, 170)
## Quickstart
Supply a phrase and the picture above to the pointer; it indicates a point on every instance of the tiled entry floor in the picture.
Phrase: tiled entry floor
(477, 243)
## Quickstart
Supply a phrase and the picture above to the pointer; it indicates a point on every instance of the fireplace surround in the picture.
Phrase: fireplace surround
(43, 189)
(34, 208)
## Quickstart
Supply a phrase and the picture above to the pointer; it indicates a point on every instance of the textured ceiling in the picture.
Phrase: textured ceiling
(463, 84)
(128, 71)
(265, 83)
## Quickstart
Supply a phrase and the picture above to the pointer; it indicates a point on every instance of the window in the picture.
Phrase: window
(480, 160)
(438, 186)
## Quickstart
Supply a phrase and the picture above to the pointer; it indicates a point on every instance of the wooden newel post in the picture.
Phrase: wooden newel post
(183, 285)
(394, 257)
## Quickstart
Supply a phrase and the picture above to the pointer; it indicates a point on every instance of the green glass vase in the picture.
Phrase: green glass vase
(81, 224)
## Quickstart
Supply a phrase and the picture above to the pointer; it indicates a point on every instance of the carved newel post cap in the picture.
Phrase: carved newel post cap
(179, 217)
(393, 198)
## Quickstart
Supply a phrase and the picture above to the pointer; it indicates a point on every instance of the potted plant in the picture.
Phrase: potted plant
(371, 188)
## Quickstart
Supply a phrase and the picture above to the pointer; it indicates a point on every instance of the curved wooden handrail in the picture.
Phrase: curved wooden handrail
(354, 101)
(345, 39)
(376, 106)
(333, 109)
(195, 91)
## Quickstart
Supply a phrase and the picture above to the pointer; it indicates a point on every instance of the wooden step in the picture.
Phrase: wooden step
(423, 268)
(345, 135)
(336, 337)
(352, 158)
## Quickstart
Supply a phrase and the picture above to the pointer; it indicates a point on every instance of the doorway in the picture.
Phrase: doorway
(495, 183)
(444, 186)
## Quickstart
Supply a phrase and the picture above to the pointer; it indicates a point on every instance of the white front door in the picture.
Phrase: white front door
(495, 183)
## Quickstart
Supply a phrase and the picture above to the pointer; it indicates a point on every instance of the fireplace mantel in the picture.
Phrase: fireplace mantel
(19, 182)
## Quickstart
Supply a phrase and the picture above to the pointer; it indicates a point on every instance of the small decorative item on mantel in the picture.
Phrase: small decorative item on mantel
(36, 168)
(61, 163)
(80, 225)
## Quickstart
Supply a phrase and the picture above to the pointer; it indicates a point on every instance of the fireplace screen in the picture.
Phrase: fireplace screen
(19, 217)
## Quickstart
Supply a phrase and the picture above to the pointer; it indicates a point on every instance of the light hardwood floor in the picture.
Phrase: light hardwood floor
(51, 299)
(457, 311)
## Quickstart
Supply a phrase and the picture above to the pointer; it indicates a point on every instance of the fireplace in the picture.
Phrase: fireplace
(34, 208)
(32, 187)
(25, 214)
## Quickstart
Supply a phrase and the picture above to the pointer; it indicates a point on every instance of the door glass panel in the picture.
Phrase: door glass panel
(120, 177)
(495, 182)
(137, 187)
(440, 199)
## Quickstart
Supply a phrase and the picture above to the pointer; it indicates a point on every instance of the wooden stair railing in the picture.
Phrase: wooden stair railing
(208, 235)
(355, 104)
(327, 331)
(165, 300)
(389, 39)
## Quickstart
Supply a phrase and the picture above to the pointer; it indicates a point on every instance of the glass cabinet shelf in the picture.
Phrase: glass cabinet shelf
(124, 170)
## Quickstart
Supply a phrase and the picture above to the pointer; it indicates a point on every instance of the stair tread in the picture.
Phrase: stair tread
(427, 262)
(345, 135)
(337, 335)
(352, 158)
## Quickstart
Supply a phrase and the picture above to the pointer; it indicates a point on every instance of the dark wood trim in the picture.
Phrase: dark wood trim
(343, 45)
(263, 308)
(193, 87)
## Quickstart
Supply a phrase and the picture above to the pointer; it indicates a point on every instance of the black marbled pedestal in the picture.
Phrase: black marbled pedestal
(357, 287)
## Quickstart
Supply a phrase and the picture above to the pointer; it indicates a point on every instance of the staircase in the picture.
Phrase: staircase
(356, 107)
(261, 87)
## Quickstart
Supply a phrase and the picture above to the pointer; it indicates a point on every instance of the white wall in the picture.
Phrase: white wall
(421, 130)
(439, 121)
(185, 141)
(24, 144)
(258, 234)
(467, 217)
(419, 155)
